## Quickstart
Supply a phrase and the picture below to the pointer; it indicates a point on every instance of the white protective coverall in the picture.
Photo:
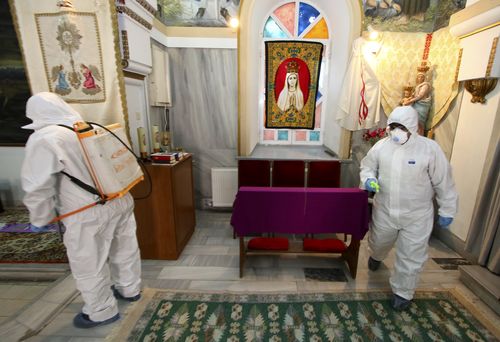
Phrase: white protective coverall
(92, 235)
(409, 176)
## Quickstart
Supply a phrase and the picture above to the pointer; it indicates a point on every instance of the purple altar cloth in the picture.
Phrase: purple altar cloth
(300, 211)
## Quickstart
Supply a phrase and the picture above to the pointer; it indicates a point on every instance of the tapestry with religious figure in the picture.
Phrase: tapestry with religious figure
(292, 74)
(70, 48)
(72, 55)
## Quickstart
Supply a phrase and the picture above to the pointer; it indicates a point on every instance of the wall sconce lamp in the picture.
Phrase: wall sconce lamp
(479, 88)
(231, 21)
(372, 33)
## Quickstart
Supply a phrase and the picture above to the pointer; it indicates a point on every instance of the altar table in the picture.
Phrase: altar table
(302, 211)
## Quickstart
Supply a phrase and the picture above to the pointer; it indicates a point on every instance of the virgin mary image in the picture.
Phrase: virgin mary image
(291, 95)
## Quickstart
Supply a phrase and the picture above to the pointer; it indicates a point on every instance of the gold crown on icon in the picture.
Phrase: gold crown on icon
(408, 88)
(423, 68)
(292, 67)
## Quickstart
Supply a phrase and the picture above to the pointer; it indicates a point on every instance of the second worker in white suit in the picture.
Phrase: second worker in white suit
(406, 171)
(101, 241)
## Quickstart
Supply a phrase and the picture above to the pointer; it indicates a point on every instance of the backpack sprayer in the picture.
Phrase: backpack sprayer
(113, 166)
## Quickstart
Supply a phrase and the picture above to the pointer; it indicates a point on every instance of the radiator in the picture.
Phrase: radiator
(224, 186)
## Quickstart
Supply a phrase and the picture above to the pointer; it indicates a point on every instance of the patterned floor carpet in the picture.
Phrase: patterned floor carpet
(368, 316)
(19, 245)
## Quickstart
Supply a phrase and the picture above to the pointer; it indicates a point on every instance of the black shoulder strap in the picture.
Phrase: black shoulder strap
(66, 127)
(81, 184)
(78, 182)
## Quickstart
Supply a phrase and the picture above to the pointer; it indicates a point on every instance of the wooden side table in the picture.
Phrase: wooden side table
(166, 219)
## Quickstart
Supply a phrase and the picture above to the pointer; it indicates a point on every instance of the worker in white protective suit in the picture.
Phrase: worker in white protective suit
(406, 171)
(101, 241)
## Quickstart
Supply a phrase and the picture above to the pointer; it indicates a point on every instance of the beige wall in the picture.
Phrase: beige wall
(475, 131)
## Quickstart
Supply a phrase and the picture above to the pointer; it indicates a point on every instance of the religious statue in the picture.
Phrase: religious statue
(421, 97)
(407, 95)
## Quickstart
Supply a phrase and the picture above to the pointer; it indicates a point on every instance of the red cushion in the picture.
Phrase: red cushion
(324, 245)
(273, 244)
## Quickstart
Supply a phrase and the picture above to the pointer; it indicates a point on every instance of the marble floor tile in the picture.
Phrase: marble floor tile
(25, 292)
(12, 305)
(199, 273)
(192, 249)
(244, 286)
(166, 283)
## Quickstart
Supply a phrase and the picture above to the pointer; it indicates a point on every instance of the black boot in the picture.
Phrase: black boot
(373, 264)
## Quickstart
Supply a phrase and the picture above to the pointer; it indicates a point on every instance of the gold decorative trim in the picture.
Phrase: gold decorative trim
(493, 52)
(479, 30)
(479, 88)
(147, 6)
(99, 48)
(119, 70)
(459, 61)
(125, 48)
(133, 15)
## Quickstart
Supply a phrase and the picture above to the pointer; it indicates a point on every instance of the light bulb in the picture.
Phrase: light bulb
(234, 22)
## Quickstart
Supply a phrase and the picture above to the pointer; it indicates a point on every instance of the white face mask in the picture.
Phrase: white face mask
(399, 136)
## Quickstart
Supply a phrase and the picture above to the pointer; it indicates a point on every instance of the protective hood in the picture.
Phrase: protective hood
(406, 116)
(49, 109)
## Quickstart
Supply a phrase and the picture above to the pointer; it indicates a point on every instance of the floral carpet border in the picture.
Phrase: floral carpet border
(153, 313)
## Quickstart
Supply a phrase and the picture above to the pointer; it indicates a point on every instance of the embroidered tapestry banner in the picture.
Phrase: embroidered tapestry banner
(72, 61)
(292, 74)
(71, 50)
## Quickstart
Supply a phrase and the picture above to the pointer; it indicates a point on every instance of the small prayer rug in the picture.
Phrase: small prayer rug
(16, 220)
(32, 248)
(451, 263)
(305, 317)
(325, 274)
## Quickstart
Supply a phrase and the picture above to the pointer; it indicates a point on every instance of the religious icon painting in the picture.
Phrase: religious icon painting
(72, 55)
(292, 74)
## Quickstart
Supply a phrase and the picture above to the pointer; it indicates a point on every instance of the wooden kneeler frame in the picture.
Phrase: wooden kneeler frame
(350, 255)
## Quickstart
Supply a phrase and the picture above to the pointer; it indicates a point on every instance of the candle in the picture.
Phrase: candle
(155, 132)
(141, 137)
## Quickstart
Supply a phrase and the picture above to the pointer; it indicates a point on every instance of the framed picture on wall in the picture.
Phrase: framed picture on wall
(204, 13)
(292, 75)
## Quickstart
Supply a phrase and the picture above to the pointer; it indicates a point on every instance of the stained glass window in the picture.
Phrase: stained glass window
(272, 29)
(298, 20)
(307, 16)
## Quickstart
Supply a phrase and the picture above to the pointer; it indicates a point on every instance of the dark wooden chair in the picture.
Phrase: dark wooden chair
(288, 173)
(323, 174)
(254, 172)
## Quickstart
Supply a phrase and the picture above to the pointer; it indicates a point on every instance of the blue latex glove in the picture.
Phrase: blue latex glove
(371, 184)
(444, 222)
(36, 229)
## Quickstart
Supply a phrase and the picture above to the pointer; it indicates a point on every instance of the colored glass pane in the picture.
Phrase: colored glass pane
(317, 116)
(318, 95)
(320, 30)
(282, 135)
(286, 16)
(272, 30)
(268, 134)
(300, 136)
(307, 15)
(314, 136)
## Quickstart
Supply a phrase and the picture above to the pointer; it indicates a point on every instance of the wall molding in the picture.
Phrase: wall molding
(125, 10)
